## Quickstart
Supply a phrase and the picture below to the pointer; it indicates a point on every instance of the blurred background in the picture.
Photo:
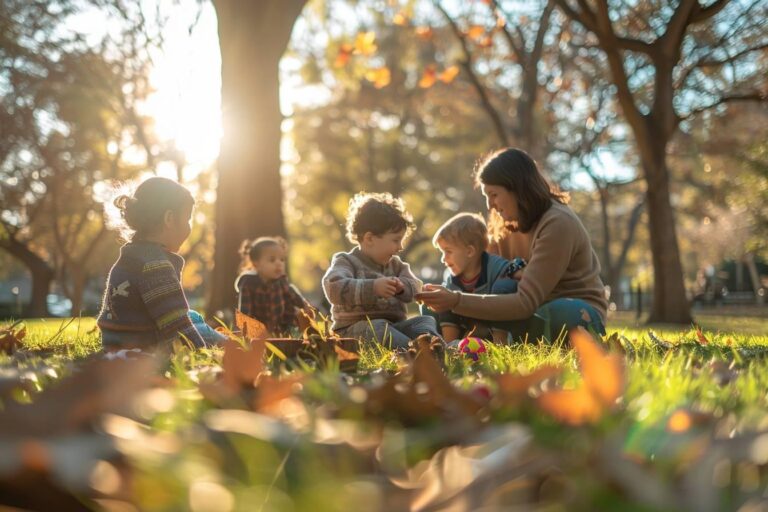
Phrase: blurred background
(274, 114)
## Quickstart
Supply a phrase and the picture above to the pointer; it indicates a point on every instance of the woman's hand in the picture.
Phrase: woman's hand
(438, 298)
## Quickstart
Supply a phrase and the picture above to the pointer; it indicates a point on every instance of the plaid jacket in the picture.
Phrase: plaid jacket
(272, 303)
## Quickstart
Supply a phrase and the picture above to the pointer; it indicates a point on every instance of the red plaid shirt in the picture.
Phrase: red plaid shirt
(272, 303)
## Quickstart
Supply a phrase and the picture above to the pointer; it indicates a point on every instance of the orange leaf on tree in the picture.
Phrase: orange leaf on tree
(345, 53)
(476, 32)
(365, 43)
(401, 18)
(429, 78)
(425, 33)
(379, 76)
(448, 74)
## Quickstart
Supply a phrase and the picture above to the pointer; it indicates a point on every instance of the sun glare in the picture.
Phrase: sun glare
(187, 81)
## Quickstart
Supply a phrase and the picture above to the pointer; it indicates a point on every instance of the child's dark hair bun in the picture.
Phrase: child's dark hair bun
(143, 212)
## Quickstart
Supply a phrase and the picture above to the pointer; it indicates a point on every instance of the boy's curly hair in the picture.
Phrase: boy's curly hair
(377, 213)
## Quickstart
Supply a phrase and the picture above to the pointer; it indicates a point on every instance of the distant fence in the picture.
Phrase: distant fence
(639, 301)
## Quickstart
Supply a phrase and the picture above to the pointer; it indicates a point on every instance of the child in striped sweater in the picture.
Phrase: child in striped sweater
(144, 303)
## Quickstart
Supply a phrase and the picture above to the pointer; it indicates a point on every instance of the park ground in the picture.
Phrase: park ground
(657, 418)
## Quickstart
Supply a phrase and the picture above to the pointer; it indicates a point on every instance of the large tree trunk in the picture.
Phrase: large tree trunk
(253, 36)
(42, 275)
(670, 303)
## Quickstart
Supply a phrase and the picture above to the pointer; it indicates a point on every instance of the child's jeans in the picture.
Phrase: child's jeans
(208, 333)
(392, 335)
(149, 339)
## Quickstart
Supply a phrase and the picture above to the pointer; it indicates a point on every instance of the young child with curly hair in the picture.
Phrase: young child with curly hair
(369, 286)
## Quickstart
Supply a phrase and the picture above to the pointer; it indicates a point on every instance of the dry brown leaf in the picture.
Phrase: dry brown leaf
(10, 338)
(700, 336)
(249, 326)
(241, 365)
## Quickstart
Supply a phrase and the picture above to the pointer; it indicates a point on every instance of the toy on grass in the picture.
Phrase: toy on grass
(472, 347)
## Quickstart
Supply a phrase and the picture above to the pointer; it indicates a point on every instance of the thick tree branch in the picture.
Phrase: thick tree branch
(501, 131)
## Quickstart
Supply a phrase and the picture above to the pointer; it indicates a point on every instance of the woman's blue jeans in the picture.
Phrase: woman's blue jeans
(551, 320)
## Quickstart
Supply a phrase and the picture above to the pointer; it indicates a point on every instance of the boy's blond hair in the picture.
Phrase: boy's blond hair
(464, 228)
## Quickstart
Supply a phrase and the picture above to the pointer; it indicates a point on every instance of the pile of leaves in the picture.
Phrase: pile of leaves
(243, 428)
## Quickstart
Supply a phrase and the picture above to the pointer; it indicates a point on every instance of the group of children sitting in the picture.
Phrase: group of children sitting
(368, 287)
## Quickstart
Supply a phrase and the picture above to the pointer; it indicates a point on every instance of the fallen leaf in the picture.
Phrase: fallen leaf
(603, 382)
(603, 373)
(241, 365)
(250, 327)
(512, 388)
(700, 336)
(10, 337)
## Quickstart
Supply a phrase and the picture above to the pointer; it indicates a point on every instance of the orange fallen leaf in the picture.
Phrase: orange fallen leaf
(603, 373)
(700, 336)
(603, 382)
(249, 326)
(572, 406)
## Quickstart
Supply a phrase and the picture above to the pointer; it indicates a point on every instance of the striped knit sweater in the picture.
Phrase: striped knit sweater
(348, 286)
(144, 302)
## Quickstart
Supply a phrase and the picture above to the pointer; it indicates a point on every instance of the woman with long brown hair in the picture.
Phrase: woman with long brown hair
(560, 287)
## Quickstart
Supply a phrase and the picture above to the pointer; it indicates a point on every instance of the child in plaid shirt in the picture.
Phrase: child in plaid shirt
(264, 292)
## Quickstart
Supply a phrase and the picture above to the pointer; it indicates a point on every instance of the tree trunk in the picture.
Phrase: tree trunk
(670, 304)
(42, 275)
(253, 37)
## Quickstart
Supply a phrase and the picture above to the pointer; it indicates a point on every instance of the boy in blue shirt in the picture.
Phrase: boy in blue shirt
(463, 241)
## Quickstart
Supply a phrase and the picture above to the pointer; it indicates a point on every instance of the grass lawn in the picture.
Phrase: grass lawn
(686, 429)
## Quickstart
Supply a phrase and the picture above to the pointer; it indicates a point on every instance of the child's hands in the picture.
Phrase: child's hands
(385, 287)
(399, 286)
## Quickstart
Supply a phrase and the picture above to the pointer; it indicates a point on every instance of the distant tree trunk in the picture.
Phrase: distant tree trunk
(670, 303)
(253, 37)
(42, 275)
